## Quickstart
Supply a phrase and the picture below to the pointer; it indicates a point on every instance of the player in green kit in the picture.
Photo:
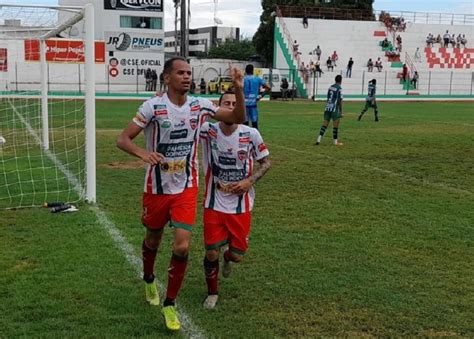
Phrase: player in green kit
(370, 100)
(333, 111)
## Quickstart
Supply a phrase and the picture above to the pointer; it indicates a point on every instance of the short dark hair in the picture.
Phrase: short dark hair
(168, 67)
(374, 81)
(225, 93)
(338, 78)
(249, 69)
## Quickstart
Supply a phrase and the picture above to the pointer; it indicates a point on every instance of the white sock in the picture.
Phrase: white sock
(319, 139)
(335, 141)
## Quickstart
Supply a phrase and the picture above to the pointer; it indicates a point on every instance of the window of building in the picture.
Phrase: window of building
(140, 22)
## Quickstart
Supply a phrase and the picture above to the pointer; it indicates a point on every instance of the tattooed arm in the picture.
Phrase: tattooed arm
(244, 185)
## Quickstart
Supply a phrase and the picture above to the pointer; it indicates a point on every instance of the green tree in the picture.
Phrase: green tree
(231, 49)
(263, 38)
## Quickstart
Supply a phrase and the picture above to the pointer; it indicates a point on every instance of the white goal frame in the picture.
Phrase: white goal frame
(85, 12)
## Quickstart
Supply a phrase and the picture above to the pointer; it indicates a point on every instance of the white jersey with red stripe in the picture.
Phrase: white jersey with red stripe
(229, 159)
(174, 132)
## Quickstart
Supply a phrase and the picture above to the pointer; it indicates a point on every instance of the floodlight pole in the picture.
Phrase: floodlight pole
(184, 39)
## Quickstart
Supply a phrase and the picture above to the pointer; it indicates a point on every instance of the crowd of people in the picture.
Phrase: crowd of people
(395, 24)
(446, 40)
(314, 66)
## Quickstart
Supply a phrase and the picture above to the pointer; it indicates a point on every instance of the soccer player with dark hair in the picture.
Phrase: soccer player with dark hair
(252, 87)
(172, 124)
(229, 153)
(370, 101)
(333, 111)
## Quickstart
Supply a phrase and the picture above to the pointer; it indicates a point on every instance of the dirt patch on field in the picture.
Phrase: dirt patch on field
(22, 265)
(123, 165)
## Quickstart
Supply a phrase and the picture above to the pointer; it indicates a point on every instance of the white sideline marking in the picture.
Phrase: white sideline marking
(188, 327)
(375, 168)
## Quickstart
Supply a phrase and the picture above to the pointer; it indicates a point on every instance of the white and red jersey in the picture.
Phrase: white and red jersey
(174, 132)
(228, 159)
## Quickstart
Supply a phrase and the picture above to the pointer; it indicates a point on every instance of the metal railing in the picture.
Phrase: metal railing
(430, 82)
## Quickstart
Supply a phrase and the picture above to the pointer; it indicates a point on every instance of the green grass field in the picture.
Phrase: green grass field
(375, 238)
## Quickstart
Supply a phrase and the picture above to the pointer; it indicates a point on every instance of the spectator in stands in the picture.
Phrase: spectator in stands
(417, 55)
(452, 40)
(295, 48)
(370, 65)
(305, 21)
(334, 58)
(385, 43)
(399, 39)
(446, 38)
(349, 68)
(414, 80)
(308, 72)
(329, 64)
(202, 86)
(378, 65)
(429, 40)
(318, 69)
(403, 25)
(399, 43)
(317, 51)
(463, 40)
(284, 89)
(439, 40)
(304, 73)
(154, 80)
(405, 73)
(148, 79)
(458, 41)
(293, 90)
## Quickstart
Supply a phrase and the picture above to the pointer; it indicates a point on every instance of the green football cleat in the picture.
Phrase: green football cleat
(151, 294)
(171, 318)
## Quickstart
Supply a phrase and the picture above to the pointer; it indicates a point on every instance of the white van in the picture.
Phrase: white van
(274, 83)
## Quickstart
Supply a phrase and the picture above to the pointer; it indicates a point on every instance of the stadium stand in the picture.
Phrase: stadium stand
(441, 70)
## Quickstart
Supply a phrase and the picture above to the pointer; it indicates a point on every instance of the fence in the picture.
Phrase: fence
(433, 82)
(445, 83)
(70, 78)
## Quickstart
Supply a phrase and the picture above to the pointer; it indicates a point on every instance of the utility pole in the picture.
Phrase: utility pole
(184, 27)
(176, 4)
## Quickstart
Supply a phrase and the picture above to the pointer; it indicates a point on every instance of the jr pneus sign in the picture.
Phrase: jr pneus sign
(134, 5)
(133, 42)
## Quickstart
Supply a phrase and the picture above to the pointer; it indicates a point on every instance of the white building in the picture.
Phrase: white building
(133, 34)
(202, 39)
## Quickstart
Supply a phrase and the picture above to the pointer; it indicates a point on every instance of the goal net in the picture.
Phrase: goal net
(47, 105)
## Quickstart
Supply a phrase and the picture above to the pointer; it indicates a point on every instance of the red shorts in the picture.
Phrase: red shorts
(222, 228)
(178, 209)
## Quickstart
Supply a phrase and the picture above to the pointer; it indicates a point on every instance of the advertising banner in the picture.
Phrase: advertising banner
(134, 5)
(134, 42)
(3, 60)
(130, 67)
(63, 50)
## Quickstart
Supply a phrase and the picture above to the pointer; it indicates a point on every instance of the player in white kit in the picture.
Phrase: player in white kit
(229, 153)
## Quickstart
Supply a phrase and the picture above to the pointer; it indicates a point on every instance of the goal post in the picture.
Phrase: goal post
(47, 105)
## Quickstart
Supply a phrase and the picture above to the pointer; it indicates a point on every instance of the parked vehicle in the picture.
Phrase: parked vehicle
(219, 84)
(275, 81)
